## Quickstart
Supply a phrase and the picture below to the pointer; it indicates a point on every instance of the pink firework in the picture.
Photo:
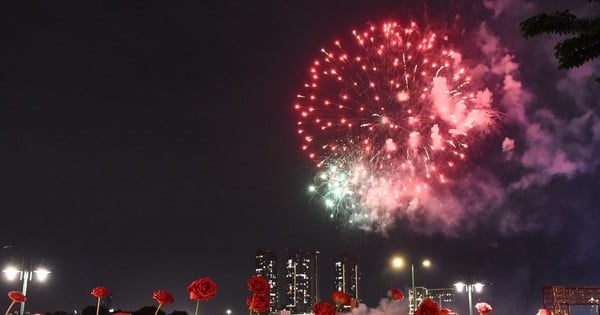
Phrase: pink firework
(387, 116)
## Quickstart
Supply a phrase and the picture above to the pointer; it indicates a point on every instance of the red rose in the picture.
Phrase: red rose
(162, 297)
(428, 307)
(17, 296)
(100, 292)
(323, 308)
(483, 308)
(543, 311)
(444, 311)
(259, 285)
(340, 298)
(258, 303)
(396, 294)
(202, 289)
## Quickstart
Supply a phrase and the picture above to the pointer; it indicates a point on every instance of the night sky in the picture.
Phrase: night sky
(146, 144)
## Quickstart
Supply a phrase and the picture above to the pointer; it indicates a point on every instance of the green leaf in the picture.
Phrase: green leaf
(574, 52)
(554, 23)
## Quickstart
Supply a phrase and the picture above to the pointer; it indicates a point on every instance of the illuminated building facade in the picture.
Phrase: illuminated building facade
(347, 274)
(301, 280)
(266, 266)
(444, 297)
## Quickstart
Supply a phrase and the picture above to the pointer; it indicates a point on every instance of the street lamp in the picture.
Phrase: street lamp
(460, 286)
(397, 263)
(25, 276)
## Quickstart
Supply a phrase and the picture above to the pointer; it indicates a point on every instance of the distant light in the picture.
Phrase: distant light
(42, 273)
(397, 262)
(459, 286)
(228, 311)
(112, 310)
(427, 263)
(11, 272)
(478, 287)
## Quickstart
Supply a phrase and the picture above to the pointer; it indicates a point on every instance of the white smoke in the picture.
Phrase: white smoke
(541, 143)
(508, 146)
(390, 145)
(500, 7)
(547, 130)
(436, 139)
(544, 145)
(386, 306)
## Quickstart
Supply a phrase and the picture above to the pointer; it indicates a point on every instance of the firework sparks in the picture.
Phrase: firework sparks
(385, 119)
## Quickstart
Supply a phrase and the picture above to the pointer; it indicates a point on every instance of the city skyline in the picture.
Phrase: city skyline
(267, 265)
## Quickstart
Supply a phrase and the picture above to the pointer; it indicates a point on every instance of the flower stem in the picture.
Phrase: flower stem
(197, 304)
(11, 305)
(251, 304)
(98, 307)
(159, 305)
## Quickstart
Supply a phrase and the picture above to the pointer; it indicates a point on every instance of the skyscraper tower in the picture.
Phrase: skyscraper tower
(302, 280)
(347, 274)
(266, 266)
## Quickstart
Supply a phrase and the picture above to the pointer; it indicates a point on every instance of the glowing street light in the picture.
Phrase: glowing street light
(398, 263)
(469, 287)
(25, 275)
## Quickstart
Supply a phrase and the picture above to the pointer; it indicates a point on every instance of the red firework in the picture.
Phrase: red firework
(395, 96)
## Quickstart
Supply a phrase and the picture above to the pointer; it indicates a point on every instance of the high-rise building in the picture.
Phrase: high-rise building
(302, 280)
(415, 300)
(442, 296)
(266, 266)
(346, 274)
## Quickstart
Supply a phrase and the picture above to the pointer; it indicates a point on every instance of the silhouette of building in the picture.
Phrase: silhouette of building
(266, 266)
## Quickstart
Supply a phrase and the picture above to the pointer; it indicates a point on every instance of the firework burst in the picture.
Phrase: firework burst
(385, 119)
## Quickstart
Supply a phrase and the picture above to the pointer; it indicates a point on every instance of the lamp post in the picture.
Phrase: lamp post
(25, 276)
(397, 263)
(469, 288)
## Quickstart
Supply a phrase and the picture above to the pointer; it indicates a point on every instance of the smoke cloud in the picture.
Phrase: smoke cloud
(386, 306)
(544, 138)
